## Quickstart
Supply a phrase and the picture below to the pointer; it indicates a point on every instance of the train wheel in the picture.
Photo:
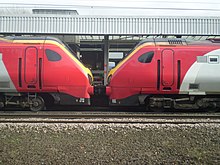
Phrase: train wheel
(37, 104)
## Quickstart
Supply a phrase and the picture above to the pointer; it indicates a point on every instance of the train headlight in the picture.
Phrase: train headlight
(109, 79)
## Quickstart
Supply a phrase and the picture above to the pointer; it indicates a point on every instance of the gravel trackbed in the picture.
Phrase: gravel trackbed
(82, 144)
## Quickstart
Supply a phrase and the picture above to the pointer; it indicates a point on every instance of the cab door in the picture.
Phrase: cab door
(167, 64)
(32, 68)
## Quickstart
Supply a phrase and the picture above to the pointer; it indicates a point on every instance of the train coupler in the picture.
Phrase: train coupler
(100, 90)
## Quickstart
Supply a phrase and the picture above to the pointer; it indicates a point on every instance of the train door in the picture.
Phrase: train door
(167, 64)
(32, 68)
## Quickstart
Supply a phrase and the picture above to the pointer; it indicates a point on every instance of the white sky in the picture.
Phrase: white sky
(125, 7)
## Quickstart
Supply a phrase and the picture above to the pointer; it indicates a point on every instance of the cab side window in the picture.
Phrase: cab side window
(146, 57)
(52, 55)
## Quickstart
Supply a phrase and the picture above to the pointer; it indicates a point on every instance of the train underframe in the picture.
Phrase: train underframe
(33, 101)
(155, 102)
(39, 101)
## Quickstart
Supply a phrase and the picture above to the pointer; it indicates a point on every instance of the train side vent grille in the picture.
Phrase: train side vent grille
(193, 86)
(175, 42)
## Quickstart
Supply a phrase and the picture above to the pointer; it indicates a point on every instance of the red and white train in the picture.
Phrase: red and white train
(164, 73)
(158, 73)
(35, 71)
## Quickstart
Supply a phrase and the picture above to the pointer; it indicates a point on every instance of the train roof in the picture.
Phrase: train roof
(23, 39)
(177, 41)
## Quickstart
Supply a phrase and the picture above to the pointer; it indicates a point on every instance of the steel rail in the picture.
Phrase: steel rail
(112, 115)
(111, 121)
(103, 118)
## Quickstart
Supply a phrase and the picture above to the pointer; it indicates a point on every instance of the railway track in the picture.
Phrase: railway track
(108, 118)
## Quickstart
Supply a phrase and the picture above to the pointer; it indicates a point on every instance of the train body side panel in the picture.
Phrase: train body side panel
(7, 79)
(23, 65)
